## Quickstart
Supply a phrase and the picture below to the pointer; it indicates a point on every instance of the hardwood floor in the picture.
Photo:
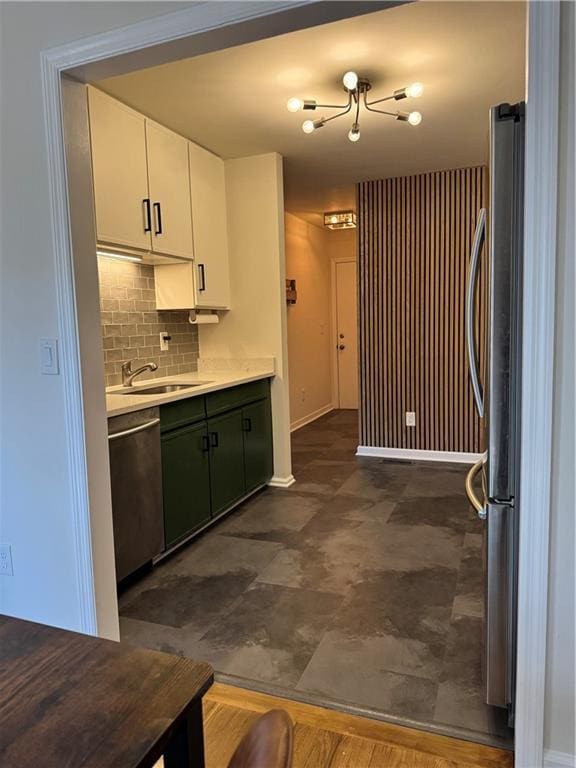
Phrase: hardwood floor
(328, 739)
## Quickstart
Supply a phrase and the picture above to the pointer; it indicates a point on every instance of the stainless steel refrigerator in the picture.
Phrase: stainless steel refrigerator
(499, 241)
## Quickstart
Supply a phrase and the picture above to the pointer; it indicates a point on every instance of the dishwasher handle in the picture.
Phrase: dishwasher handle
(134, 430)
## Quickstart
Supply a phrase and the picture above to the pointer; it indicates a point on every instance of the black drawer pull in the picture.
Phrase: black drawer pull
(247, 424)
(214, 439)
(205, 444)
(158, 217)
(148, 215)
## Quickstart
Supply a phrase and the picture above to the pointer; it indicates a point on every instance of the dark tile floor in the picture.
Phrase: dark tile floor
(361, 585)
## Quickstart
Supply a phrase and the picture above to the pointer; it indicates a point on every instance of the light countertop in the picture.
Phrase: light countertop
(208, 380)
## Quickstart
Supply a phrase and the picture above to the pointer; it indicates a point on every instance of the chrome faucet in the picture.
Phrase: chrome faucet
(128, 375)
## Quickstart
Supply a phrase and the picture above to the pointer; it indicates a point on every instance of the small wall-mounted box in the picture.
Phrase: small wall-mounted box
(291, 293)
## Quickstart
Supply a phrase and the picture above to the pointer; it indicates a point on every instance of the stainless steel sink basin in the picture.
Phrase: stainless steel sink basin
(158, 389)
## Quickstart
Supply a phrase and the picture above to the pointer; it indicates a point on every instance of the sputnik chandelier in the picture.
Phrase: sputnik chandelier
(357, 89)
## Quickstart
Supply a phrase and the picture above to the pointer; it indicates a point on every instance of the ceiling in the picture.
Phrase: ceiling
(469, 55)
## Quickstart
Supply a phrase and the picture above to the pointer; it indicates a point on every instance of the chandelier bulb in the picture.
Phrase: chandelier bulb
(354, 132)
(308, 126)
(414, 118)
(294, 104)
(415, 90)
(350, 81)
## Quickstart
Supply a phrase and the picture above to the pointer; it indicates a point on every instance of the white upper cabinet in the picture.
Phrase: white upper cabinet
(208, 193)
(157, 193)
(141, 181)
(169, 187)
(118, 138)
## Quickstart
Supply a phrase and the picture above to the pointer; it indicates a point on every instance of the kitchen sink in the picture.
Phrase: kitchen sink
(158, 389)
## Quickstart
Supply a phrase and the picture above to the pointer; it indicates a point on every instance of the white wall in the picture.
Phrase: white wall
(35, 505)
(342, 243)
(560, 675)
(255, 326)
(309, 332)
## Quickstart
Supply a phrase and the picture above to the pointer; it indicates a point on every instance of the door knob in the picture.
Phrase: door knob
(341, 346)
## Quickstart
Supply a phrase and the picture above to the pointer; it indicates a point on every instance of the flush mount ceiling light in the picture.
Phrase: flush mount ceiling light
(357, 89)
(340, 220)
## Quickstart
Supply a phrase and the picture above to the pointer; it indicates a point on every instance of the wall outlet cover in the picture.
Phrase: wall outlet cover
(410, 418)
(164, 342)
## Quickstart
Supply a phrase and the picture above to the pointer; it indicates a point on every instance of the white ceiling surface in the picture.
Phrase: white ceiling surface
(469, 55)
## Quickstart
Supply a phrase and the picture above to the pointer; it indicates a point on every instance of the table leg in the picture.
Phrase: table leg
(186, 747)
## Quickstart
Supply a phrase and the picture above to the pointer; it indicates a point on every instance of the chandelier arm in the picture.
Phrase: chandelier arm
(378, 101)
(337, 106)
(381, 111)
(358, 109)
(331, 106)
(340, 114)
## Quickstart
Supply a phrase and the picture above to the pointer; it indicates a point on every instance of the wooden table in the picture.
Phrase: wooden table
(74, 701)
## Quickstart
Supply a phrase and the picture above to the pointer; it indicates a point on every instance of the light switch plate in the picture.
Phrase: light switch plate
(49, 363)
(6, 560)
(410, 418)
(164, 342)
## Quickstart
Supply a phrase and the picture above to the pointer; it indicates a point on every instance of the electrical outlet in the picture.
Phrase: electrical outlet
(164, 342)
(410, 418)
(6, 560)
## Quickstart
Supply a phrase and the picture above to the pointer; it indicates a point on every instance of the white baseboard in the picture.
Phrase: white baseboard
(409, 454)
(282, 482)
(553, 759)
(311, 417)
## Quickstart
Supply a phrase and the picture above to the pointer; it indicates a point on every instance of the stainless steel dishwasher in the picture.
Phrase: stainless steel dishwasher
(136, 478)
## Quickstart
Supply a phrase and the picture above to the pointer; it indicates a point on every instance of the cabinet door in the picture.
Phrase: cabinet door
(257, 426)
(226, 460)
(185, 481)
(208, 194)
(169, 184)
(118, 140)
(174, 285)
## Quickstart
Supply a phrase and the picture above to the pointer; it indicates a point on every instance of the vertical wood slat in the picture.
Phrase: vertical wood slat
(415, 235)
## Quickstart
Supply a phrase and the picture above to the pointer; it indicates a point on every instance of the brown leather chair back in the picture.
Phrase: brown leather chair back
(268, 743)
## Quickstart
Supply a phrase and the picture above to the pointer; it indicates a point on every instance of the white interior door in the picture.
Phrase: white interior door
(346, 334)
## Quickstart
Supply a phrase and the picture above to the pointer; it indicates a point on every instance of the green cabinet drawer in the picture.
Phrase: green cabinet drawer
(226, 460)
(235, 397)
(182, 412)
(185, 481)
(257, 426)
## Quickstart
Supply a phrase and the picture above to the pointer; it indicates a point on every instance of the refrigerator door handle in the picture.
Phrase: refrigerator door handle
(479, 237)
(472, 498)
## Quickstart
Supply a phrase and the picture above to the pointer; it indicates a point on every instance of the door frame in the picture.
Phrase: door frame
(334, 326)
(86, 447)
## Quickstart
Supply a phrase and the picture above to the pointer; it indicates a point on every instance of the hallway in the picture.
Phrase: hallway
(361, 585)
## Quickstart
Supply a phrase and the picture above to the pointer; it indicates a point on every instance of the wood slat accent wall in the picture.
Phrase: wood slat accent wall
(415, 236)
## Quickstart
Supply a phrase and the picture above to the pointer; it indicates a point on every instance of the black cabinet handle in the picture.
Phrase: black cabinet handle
(247, 425)
(205, 444)
(147, 215)
(158, 217)
(202, 273)
(214, 439)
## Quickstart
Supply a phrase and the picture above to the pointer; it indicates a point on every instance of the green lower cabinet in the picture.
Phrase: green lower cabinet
(226, 460)
(257, 426)
(185, 481)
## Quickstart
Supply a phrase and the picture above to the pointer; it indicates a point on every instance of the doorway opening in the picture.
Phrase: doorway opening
(388, 488)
